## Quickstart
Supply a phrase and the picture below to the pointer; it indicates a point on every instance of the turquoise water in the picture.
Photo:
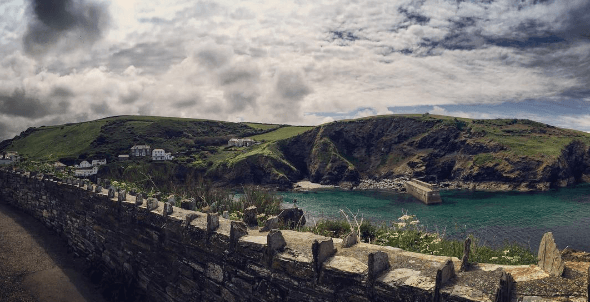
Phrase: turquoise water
(493, 217)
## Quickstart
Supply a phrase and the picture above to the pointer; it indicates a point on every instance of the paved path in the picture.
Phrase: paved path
(35, 264)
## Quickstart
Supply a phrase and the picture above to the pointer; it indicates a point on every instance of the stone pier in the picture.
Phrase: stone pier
(423, 191)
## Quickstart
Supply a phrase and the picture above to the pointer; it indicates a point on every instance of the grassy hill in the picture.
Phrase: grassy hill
(521, 153)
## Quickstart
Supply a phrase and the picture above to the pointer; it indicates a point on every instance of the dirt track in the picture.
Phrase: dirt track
(35, 264)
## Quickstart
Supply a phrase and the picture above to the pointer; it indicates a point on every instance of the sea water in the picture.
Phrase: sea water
(493, 217)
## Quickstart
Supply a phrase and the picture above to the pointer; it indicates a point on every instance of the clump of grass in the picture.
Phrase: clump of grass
(408, 234)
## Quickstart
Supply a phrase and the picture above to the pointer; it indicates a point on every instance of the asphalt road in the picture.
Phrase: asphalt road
(35, 264)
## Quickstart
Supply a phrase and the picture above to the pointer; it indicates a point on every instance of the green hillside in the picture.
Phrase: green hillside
(519, 153)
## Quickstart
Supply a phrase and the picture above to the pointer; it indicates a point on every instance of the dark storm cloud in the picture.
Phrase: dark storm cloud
(213, 58)
(152, 57)
(291, 86)
(54, 20)
(62, 92)
(101, 108)
(19, 104)
(185, 104)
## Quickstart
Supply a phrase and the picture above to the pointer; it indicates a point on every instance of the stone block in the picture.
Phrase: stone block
(378, 263)
(275, 240)
(189, 218)
(168, 208)
(189, 204)
(321, 250)
(122, 196)
(98, 189)
(138, 199)
(447, 270)
(112, 191)
(212, 222)
(214, 272)
(550, 257)
(270, 223)
(238, 229)
(171, 199)
(225, 214)
(250, 214)
(292, 217)
(152, 204)
(350, 240)
(89, 187)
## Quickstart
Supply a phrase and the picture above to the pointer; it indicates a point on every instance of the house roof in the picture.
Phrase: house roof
(124, 155)
(140, 147)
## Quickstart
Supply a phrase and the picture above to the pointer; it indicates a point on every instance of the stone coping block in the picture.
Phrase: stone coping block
(550, 257)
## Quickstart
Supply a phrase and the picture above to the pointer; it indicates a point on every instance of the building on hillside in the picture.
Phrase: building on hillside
(83, 164)
(85, 172)
(160, 154)
(123, 157)
(9, 157)
(59, 166)
(241, 142)
(99, 162)
(140, 150)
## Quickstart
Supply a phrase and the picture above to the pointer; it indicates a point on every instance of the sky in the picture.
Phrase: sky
(293, 61)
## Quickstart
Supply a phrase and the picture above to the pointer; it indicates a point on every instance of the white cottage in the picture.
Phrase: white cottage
(140, 150)
(99, 162)
(86, 172)
(160, 154)
(84, 164)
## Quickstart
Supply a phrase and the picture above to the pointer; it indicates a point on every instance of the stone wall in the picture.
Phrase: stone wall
(155, 255)
(423, 191)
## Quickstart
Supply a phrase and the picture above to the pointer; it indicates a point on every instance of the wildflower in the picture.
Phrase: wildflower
(494, 258)
(401, 225)
(506, 252)
(405, 217)
(414, 222)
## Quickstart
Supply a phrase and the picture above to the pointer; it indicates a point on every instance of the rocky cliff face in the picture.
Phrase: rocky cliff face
(506, 154)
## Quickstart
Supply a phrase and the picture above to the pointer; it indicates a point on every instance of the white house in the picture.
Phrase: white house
(8, 157)
(140, 150)
(99, 162)
(86, 172)
(241, 142)
(84, 164)
(160, 154)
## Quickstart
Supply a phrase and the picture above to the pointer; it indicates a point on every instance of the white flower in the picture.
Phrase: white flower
(414, 222)
(405, 217)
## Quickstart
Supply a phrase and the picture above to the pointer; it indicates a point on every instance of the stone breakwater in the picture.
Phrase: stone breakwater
(153, 251)
(397, 185)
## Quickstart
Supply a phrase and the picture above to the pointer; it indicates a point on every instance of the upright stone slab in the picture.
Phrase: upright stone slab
(98, 189)
(111, 193)
(188, 219)
(168, 209)
(322, 250)
(238, 230)
(275, 241)
(550, 257)
(250, 214)
(378, 263)
(171, 199)
(270, 223)
(138, 199)
(212, 222)
(189, 204)
(122, 196)
(89, 187)
(350, 240)
(152, 204)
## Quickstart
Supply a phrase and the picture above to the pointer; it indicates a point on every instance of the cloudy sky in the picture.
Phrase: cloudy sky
(297, 62)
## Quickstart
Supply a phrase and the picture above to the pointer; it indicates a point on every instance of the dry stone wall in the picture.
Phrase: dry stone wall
(143, 251)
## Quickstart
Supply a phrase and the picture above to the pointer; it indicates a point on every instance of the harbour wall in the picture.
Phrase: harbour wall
(172, 254)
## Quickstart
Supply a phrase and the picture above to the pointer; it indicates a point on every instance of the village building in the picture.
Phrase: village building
(123, 157)
(241, 142)
(99, 162)
(160, 154)
(83, 164)
(59, 166)
(86, 172)
(9, 157)
(141, 150)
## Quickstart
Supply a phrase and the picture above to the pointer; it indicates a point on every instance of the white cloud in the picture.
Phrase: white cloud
(285, 61)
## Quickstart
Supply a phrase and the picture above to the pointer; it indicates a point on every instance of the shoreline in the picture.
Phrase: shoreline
(397, 185)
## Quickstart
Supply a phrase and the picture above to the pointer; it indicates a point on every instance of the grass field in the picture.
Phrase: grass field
(58, 141)
(281, 133)
(263, 126)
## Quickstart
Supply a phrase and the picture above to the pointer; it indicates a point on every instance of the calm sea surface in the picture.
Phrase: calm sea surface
(492, 217)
